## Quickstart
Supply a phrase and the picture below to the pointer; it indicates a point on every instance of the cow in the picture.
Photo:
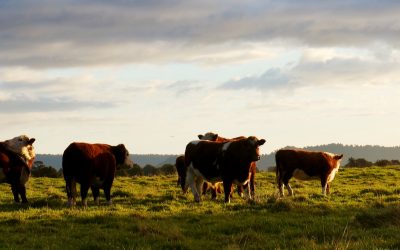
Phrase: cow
(229, 162)
(305, 165)
(92, 166)
(215, 137)
(16, 159)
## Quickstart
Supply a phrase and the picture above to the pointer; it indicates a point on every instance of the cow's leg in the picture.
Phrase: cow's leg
(84, 192)
(199, 185)
(107, 190)
(328, 188)
(96, 193)
(22, 192)
(227, 190)
(289, 188)
(279, 182)
(240, 190)
(286, 179)
(14, 189)
(190, 180)
(248, 191)
(252, 186)
(324, 184)
(178, 183)
(70, 186)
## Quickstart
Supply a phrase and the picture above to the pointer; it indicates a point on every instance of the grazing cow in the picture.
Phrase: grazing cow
(305, 165)
(16, 159)
(251, 190)
(92, 166)
(229, 162)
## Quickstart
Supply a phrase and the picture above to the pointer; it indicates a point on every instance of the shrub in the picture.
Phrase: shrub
(360, 162)
(167, 169)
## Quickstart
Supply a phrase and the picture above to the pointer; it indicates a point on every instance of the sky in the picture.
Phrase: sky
(155, 74)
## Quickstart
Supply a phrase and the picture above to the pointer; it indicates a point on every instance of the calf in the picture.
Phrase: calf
(251, 190)
(305, 165)
(229, 162)
(93, 166)
(16, 159)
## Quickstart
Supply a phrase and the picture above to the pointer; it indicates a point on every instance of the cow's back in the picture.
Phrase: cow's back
(313, 163)
(81, 159)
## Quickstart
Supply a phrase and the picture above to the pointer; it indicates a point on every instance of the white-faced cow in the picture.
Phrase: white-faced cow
(305, 165)
(229, 162)
(92, 166)
(16, 159)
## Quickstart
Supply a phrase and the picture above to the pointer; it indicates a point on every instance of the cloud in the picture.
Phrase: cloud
(87, 33)
(272, 79)
(43, 105)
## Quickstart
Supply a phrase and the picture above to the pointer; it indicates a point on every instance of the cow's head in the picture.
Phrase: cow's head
(338, 158)
(122, 155)
(22, 145)
(210, 136)
(250, 148)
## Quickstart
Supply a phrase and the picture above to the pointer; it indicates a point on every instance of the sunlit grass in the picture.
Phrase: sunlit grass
(362, 212)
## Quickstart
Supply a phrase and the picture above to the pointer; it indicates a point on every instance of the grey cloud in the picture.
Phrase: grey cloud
(24, 105)
(272, 79)
(82, 33)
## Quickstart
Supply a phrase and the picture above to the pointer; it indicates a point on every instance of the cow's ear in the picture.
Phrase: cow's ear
(31, 141)
(338, 157)
(215, 137)
(261, 142)
(200, 136)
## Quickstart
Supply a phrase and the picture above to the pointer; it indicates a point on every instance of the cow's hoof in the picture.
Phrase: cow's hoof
(110, 202)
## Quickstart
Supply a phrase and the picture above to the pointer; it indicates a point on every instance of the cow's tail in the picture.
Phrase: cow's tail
(187, 162)
(278, 169)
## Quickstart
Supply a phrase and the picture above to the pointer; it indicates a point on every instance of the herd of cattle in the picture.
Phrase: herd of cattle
(207, 164)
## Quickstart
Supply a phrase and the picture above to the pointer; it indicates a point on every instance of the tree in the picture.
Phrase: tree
(150, 170)
(41, 170)
(360, 162)
(136, 170)
(167, 169)
(382, 163)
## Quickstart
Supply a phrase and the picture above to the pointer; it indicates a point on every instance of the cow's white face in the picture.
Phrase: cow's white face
(22, 145)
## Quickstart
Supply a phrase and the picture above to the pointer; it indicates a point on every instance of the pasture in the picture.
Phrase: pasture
(362, 212)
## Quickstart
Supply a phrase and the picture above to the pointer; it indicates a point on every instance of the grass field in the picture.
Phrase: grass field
(362, 212)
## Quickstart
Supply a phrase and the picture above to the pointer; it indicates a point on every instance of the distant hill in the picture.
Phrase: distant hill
(370, 153)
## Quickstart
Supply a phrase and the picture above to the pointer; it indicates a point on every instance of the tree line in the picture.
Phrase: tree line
(39, 169)
(361, 162)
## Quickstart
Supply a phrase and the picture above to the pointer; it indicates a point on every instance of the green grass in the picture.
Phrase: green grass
(362, 212)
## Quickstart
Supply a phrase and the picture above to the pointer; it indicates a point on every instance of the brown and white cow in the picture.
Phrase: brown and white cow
(92, 166)
(305, 165)
(16, 159)
(251, 185)
(229, 162)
